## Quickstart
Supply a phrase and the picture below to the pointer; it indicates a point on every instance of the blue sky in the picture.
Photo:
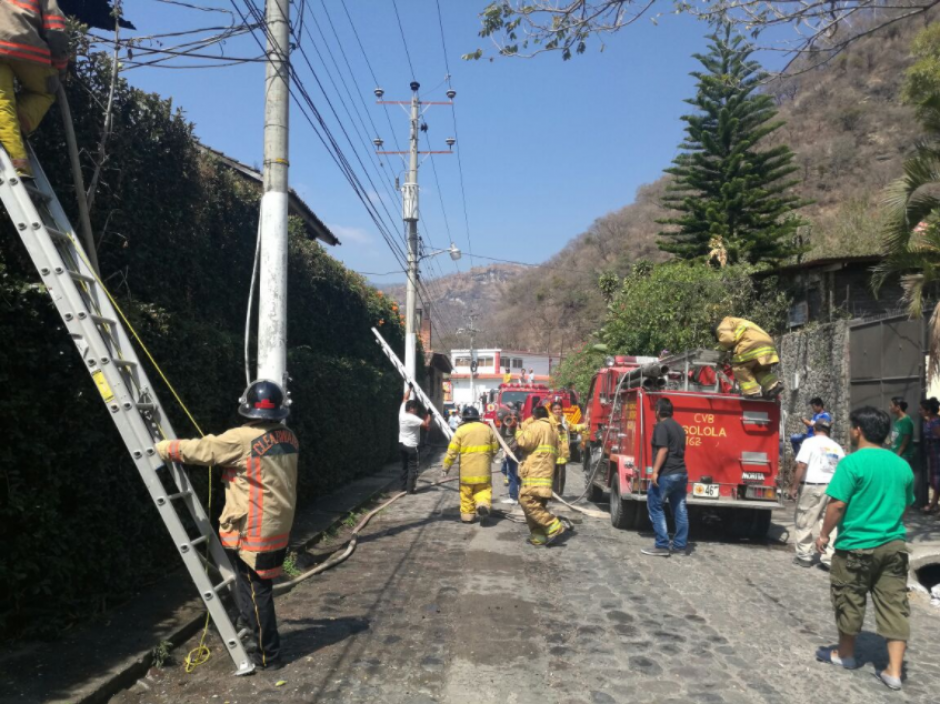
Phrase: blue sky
(546, 145)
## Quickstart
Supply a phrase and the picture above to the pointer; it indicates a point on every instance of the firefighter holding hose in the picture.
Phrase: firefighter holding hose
(540, 443)
(753, 355)
(259, 466)
(476, 445)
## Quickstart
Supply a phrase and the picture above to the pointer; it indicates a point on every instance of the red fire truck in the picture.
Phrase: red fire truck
(732, 443)
(527, 397)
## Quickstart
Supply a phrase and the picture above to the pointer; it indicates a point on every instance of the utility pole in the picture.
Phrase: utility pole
(272, 295)
(409, 206)
(471, 331)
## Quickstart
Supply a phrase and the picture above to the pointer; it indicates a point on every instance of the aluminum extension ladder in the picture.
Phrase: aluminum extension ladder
(390, 353)
(109, 357)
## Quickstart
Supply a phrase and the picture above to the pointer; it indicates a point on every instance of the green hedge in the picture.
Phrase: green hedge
(79, 532)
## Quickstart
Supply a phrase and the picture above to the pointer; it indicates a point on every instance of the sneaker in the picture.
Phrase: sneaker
(511, 502)
(656, 552)
(825, 566)
(684, 552)
(802, 563)
(483, 512)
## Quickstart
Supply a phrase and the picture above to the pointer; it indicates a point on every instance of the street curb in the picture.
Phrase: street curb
(134, 670)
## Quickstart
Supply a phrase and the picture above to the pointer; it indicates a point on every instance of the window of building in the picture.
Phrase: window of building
(517, 363)
(485, 361)
(462, 361)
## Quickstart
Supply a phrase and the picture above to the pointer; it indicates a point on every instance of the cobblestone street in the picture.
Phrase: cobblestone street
(430, 610)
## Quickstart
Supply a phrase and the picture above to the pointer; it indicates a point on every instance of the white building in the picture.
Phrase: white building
(468, 386)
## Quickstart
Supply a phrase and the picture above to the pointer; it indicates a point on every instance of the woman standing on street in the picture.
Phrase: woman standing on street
(930, 412)
(902, 430)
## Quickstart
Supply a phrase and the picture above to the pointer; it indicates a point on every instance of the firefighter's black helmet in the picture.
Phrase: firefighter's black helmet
(471, 413)
(263, 400)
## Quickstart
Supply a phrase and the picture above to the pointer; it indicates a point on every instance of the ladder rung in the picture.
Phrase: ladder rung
(124, 362)
(37, 193)
(180, 495)
(81, 277)
(146, 406)
(197, 541)
(224, 583)
(58, 234)
(101, 320)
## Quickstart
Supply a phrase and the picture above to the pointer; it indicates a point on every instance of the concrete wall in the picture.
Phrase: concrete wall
(814, 362)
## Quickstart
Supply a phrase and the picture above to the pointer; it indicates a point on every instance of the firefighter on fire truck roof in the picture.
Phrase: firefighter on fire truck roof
(753, 355)
(259, 465)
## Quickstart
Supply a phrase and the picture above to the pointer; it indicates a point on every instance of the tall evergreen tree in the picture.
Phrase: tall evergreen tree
(731, 195)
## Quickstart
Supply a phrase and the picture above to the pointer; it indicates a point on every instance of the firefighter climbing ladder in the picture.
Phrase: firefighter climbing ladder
(390, 353)
(103, 343)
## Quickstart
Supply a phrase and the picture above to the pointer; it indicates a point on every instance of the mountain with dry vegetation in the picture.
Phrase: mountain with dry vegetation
(850, 132)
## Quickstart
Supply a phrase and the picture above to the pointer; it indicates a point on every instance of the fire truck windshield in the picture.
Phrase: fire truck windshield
(514, 397)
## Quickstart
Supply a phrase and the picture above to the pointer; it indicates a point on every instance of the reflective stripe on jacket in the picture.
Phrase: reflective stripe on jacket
(748, 342)
(476, 445)
(34, 31)
(540, 443)
(259, 467)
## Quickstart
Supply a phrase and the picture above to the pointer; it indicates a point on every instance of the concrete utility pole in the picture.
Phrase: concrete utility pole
(409, 207)
(272, 296)
(409, 204)
(471, 331)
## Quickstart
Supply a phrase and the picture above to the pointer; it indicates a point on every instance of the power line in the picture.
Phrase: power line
(403, 40)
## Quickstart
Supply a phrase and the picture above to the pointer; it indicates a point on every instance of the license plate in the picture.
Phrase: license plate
(752, 476)
(706, 491)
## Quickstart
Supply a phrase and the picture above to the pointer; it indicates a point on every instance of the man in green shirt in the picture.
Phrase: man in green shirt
(868, 495)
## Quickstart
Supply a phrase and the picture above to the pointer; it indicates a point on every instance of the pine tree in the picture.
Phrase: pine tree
(731, 195)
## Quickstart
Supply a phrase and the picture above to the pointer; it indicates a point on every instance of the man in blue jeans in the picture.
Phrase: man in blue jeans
(668, 482)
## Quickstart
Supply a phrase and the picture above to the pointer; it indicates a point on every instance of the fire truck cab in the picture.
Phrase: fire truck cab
(732, 445)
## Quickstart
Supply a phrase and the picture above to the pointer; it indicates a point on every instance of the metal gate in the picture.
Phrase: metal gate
(887, 359)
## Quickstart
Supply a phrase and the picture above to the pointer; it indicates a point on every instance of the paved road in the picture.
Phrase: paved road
(429, 610)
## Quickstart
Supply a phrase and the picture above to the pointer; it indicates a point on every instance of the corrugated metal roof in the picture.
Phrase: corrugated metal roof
(820, 263)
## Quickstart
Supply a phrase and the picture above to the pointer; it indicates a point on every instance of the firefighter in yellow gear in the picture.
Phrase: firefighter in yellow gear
(564, 429)
(476, 445)
(34, 49)
(259, 468)
(753, 355)
(539, 442)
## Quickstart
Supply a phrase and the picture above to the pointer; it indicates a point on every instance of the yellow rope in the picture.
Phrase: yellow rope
(201, 653)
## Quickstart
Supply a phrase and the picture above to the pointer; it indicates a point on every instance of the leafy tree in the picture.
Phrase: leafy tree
(577, 369)
(727, 189)
(525, 28)
(912, 227)
(675, 306)
(922, 82)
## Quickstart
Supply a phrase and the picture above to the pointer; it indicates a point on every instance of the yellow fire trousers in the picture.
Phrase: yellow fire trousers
(753, 377)
(542, 523)
(21, 114)
(473, 495)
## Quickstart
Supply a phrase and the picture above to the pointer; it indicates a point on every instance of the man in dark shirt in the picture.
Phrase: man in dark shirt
(668, 482)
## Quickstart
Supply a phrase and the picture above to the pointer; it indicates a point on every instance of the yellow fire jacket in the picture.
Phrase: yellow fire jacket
(259, 466)
(476, 445)
(540, 443)
(748, 342)
(33, 31)
(564, 429)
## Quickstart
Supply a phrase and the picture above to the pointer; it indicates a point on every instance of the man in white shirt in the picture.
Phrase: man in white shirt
(409, 437)
(815, 464)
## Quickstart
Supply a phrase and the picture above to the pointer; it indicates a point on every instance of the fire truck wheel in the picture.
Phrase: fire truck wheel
(761, 524)
(595, 494)
(622, 513)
